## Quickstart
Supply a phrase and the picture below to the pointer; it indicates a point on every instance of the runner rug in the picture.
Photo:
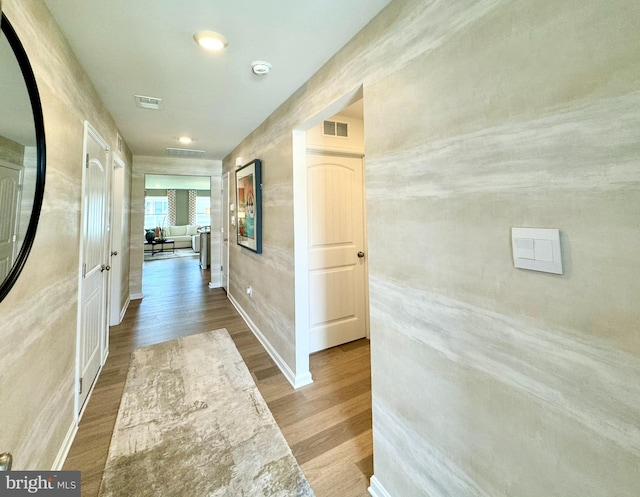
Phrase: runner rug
(192, 423)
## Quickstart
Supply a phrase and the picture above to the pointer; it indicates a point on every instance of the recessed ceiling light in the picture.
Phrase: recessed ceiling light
(260, 67)
(185, 140)
(211, 40)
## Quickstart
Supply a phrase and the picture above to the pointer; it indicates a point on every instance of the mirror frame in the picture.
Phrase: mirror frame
(38, 121)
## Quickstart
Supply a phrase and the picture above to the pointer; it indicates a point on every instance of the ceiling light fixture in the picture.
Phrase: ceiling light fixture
(185, 140)
(260, 67)
(211, 40)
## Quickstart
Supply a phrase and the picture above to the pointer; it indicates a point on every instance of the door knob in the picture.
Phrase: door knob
(6, 460)
(114, 253)
(361, 254)
(104, 268)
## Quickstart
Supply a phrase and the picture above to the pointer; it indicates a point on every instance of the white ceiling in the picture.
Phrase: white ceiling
(146, 47)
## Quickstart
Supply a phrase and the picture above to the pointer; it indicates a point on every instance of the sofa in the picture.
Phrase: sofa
(185, 236)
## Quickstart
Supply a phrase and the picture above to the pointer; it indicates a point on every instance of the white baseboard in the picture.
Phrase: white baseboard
(136, 296)
(296, 381)
(66, 446)
(124, 309)
(376, 489)
(214, 285)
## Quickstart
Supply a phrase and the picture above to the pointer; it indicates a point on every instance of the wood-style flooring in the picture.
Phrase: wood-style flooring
(327, 424)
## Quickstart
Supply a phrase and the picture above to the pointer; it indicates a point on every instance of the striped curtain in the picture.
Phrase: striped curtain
(193, 207)
(171, 216)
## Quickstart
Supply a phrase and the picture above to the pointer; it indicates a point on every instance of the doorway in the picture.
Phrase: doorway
(177, 210)
(225, 232)
(92, 311)
(116, 306)
(306, 307)
(11, 179)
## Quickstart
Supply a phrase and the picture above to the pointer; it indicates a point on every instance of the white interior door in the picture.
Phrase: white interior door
(225, 232)
(95, 238)
(115, 275)
(337, 265)
(10, 182)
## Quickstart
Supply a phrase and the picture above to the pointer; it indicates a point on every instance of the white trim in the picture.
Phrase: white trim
(367, 302)
(113, 305)
(136, 296)
(300, 250)
(376, 489)
(296, 381)
(66, 446)
(124, 309)
(213, 285)
(225, 220)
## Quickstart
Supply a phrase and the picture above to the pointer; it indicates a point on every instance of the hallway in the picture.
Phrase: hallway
(327, 424)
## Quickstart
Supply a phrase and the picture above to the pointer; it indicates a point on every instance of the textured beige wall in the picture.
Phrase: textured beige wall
(38, 323)
(270, 274)
(168, 165)
(481, 116)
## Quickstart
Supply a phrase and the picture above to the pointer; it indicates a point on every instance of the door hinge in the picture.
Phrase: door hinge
(84, 270)
(86, 164)
(80, 386)
(221, 268)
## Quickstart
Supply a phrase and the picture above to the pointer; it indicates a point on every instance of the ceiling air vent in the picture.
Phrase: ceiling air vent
(148, 102)
(184, 152)
(333, 128)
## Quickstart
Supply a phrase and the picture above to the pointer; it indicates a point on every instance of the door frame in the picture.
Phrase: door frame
(89, 130)
(301, 235)
(225, 224)
(116, 313)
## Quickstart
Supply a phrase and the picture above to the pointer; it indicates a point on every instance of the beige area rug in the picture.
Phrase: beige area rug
(192, 423)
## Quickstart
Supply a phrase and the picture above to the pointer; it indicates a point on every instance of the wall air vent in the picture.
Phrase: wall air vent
(333, 128)
(184, 152)
(148, 102)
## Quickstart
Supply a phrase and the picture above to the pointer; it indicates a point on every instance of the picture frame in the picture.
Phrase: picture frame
(249, 206)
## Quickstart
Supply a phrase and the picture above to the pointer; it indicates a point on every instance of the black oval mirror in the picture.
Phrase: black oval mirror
(22, 157)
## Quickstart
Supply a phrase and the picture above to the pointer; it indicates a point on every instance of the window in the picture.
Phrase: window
(203, 211)
(155, 211)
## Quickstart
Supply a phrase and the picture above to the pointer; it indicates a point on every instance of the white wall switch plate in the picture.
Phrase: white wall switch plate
(537, 249)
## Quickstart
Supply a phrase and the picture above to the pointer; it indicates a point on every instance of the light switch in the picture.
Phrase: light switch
(525, 248)
(537, 249)
(543, 250)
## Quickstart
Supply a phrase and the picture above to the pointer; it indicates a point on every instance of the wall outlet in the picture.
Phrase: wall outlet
(250, 291)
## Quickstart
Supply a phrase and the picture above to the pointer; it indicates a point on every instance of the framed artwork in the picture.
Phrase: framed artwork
(249, 205)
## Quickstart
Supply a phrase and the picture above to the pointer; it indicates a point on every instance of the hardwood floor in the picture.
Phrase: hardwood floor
(327, 424)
